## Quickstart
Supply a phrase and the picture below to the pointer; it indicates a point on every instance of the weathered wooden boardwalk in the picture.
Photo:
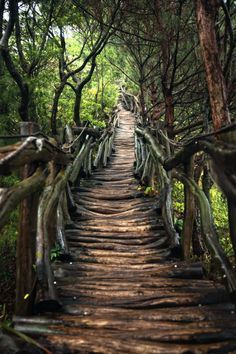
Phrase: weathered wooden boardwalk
(122, 293)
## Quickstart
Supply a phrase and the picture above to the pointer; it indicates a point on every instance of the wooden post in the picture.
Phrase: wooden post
(145, 178)
(61, 237)
(189, 212)
(70, 200)
(65, 209)
(137, 156)
(25, 256)
(52, 225)
(90, 162)
(105, 153)
(100, 152)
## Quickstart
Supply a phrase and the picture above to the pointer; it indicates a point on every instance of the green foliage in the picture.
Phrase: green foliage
(8, 104)
(9, 181)
(99, 95)
(178, 198)
(10, 231)
(178, 224)
(149, 191)
(81, 34)
(8, 239)
(220, 215)
(55, 252)
(219, 209)
(178, 205)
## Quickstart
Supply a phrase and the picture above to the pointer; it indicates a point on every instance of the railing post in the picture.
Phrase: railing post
(189, 212)
(25, 254)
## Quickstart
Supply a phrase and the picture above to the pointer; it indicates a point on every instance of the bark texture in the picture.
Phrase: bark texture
(206, 12)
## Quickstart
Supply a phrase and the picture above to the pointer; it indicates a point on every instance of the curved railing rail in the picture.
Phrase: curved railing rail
(48, 170)
(157, 156)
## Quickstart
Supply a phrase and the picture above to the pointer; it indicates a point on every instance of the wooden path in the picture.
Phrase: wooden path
(122, 293)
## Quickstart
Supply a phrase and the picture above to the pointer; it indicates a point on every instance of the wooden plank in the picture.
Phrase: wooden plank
(121, 291)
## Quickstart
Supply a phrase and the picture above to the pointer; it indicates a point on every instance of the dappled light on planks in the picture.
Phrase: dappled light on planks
(122, 292)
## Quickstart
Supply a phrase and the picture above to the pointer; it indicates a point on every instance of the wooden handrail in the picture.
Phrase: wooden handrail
(57, 167)
(220, 152)
(30, 150)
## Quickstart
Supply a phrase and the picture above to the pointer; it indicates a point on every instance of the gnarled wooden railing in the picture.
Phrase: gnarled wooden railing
(156, 157)
(48, 169)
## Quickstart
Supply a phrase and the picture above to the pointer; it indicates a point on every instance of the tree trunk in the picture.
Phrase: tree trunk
(205, 12)
(2, 6)
(57, 95)
(169, 113)
(23, 86)
(78, 92)
(156, 109)
(77, 106)
(142, 102)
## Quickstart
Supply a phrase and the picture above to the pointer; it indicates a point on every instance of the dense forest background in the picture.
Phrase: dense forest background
(66, 62)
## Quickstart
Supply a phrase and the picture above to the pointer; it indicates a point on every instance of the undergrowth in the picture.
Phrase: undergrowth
(220, 217)
(8, 236)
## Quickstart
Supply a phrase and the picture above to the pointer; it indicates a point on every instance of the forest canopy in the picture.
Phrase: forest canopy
(65, 61)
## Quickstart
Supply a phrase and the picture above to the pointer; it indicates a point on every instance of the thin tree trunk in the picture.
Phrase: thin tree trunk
(169, 113)
(77, 106)
(2, 6)
(24, 89)
(142, 102)
(57, 95)
(78, 92)
(156, 110)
